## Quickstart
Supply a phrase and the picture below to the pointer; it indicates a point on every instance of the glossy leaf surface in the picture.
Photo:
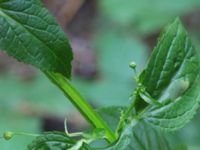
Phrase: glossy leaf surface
(172, 77)
(137, 135)
(55, 141)
(30, 34)
(140, 136)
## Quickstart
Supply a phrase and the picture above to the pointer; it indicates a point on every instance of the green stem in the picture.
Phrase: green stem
(26, 134)
(9, 135)
(125, 115)
(82, 105)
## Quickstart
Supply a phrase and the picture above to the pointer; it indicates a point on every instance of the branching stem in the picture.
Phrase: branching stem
(125, 116)
(81, 104)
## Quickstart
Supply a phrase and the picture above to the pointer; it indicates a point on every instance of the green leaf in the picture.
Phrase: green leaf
(172, 77)
(140, 136)
(55, 141)
(136, 135)
(50, 141)
(30, 34)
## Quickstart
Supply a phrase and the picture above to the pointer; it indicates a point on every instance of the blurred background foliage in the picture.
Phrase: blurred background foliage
(105, 35)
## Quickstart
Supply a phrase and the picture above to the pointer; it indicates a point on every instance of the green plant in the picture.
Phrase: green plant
(166, 97)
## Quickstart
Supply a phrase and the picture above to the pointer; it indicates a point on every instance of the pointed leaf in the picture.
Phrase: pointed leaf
(30, 34)
(140, 136)
(51, 140)
(136, 135)
(55, 141)
(172, 77)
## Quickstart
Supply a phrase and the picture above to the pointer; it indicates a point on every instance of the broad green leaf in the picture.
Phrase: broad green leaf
(137, 135)
(140, 136)
(55, 141)
(189, 135)
(30, 34)
(50, 141)
(173, 78)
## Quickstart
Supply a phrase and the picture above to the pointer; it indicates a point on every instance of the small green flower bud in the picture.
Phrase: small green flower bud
(135, 92)
(8, 135)
(133, 65)
(140, 85)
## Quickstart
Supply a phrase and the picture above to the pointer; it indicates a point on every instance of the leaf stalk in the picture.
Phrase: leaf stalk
(81, 104)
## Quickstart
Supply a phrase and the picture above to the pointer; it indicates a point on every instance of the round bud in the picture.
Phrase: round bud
(140, 84)
(135, 92)
(142, 89)
(8, 135)
(133, 65)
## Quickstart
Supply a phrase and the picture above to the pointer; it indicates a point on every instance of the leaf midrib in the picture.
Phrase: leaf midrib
(6, 16)
(167, 56)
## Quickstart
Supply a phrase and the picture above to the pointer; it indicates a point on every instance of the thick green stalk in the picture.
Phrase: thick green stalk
(82, 105)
